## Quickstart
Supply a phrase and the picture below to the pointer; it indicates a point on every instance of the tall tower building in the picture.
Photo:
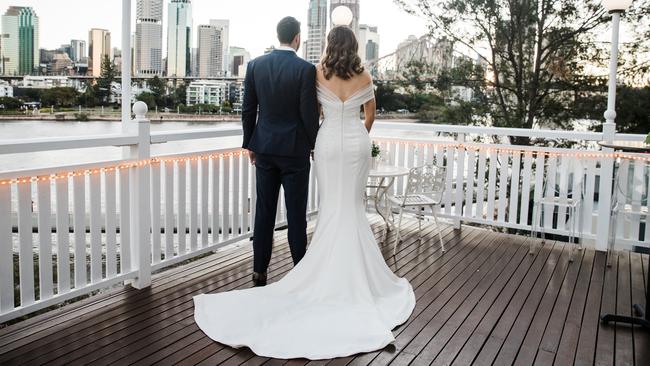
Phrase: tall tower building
(354, 5)
(99, 46)
(368, 43)
(148, 38)
(179, 38)
(78, 50)
(316, 30)
(210, 51)
(20, 41)
(224, 25)
(240, 59)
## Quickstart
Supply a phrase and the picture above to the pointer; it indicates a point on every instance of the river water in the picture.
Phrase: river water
(12, 130)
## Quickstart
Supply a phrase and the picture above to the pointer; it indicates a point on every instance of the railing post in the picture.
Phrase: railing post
(139, 188)
(460, 174)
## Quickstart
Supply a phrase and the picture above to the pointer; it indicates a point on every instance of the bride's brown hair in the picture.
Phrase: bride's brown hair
(341, 56)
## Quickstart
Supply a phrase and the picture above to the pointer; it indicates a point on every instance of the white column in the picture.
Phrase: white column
(609, 131)
(140, 210)
(126, 65)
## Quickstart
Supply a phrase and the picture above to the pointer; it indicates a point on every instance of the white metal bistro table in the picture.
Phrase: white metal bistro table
(386, 175)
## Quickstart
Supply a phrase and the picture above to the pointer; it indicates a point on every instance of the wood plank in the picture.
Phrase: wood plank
(563, 347)
(541, 297)
(146, 346)
(500, 289)
(550, 317)
(623, 354)
(503, 312)
(606, 333)
(219, 354)
(428, 343)
(641, 337)
(586, 348)
(438, 295)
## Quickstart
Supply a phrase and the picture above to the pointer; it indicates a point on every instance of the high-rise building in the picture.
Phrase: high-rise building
(368, 43)
(210, 51)
(148, 38)
(224, 25)
(239, 60)
(99, 46)
(316, 31)
(354, 5)
(77, 50)
(179, 38)
(20, 41)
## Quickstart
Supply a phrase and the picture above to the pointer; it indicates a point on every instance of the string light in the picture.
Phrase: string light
(121, 166)
(239, 153)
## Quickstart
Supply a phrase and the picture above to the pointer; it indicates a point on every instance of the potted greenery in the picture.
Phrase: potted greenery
(375, 151)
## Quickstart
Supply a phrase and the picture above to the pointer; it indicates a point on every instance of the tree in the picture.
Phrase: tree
(179, 95)
(537, 50)
(106, 78)
(158, 90)
(9, 103)
(60, 97)
(148, 98)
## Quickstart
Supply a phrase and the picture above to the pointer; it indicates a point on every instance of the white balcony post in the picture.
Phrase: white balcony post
(126, 64)
(609, 131)
(139, 188)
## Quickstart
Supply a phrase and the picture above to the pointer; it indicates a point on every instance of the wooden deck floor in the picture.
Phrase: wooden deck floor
(484, 301)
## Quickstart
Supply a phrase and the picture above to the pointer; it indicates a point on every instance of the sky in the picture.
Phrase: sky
(252, 22)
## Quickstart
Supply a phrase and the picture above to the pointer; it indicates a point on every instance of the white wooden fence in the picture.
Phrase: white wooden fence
(68, 231)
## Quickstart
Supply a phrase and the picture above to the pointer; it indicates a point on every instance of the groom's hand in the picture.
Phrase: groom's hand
(251, 156)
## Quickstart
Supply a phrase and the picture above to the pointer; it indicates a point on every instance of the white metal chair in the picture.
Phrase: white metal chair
(563, 188)
(630, 198)
(425, 188)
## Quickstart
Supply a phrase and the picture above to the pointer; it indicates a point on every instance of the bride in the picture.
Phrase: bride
(341, 298)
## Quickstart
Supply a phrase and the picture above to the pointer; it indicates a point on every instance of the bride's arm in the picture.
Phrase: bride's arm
(369, 109)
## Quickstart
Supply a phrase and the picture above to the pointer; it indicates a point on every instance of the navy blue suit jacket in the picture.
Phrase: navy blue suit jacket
(280, 111)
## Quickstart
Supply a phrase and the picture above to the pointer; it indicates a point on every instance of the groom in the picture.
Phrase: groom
(280, 121)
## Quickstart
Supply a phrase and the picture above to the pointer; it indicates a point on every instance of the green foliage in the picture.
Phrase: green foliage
(83, 117)
(200, 108)
(149, 99)
(538, 54)
(60, 97)
(375, 150)
(10, 104)
(103, 85)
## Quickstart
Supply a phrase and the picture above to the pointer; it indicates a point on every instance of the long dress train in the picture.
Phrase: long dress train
(342, 298)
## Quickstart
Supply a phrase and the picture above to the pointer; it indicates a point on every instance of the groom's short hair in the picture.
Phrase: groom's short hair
(288, 28)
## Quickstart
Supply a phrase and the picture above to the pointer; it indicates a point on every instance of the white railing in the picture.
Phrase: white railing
(70, 230)
(67, 231)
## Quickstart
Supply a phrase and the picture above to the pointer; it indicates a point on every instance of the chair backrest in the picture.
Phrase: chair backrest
(632, 185)
(564, 176)
(428, 180)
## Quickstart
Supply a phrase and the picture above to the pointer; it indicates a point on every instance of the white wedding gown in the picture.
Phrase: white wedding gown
(342, 298)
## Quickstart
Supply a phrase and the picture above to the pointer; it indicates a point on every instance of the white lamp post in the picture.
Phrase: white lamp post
(615, 7)
(342, 15)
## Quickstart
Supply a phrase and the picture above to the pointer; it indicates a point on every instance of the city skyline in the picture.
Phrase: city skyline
(262, 16)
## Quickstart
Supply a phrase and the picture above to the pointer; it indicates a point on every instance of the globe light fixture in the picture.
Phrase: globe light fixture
(616, 5)
(342, 15)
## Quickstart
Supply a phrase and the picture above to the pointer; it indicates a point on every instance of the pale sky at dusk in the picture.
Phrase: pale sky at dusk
(252, 22)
